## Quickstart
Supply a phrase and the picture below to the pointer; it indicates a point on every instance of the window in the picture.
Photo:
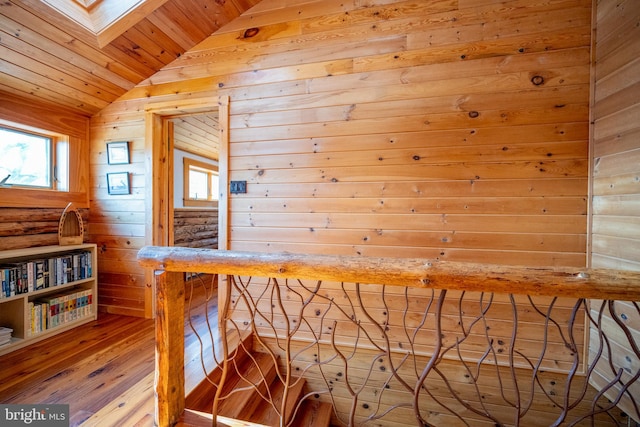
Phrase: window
(200, 183)
(30, 159)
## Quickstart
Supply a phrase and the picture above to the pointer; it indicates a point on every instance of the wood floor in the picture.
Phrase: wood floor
(103, 370)
(88, 368)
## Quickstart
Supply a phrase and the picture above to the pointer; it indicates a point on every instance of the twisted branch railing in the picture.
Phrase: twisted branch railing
(411, 341)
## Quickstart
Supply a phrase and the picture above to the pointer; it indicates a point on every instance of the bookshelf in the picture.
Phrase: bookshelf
(46, 290)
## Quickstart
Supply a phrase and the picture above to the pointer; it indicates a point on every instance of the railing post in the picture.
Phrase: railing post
(169, 381)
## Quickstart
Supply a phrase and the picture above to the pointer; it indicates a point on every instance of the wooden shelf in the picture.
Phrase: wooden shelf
(15, 311)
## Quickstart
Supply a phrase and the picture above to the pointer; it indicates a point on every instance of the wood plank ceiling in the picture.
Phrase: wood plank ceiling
(45, 56)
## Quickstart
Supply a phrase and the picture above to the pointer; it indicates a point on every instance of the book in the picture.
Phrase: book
(33, 275)
(9, 277)
(5, 335)
(42, 290)
(53, 309)
(3, 281)
(23, 278)
(30, 274)
(38, 266)
(52, 272)
(13, 280)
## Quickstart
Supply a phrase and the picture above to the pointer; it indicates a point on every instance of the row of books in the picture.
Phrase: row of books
(60, 308)
(28, 276)
(5, 335)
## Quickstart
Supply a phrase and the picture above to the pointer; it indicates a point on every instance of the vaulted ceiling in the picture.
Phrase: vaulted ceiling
(47, 56)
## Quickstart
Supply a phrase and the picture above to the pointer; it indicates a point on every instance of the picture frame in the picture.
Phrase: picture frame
(118, 183)
(118, 153)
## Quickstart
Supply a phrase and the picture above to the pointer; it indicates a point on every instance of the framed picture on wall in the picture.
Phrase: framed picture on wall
(118, 183)
(118, 152)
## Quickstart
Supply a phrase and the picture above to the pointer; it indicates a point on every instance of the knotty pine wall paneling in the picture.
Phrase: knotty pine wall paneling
(118, 221)
(29, 218)
(456, 131)
(616, 137)
(445, 129)
(615, 236)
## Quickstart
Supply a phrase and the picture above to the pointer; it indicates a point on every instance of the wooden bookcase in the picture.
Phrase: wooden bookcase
(16, 310)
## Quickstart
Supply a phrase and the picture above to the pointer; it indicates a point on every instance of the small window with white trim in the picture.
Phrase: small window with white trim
(33, 159)
(200, 183)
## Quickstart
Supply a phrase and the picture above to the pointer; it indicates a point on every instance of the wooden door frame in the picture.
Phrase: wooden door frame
(159, 177)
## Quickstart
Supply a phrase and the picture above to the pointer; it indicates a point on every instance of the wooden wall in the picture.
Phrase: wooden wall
(30, 218)
(616, 167)
(616, 137)
(197, 134)
(447, 129)
(450, 129)
(118, 221)
(195, 228)
(31, 227)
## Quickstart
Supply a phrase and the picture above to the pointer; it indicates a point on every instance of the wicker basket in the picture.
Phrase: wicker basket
(70, 227)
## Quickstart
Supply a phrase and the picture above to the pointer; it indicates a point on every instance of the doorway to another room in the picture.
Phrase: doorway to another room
(162, 140)
(194, 152)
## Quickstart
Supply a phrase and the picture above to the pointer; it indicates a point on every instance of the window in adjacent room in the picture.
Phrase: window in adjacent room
(200, 183)
(33, 159)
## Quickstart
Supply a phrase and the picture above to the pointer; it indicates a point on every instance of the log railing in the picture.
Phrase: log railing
(419, 342)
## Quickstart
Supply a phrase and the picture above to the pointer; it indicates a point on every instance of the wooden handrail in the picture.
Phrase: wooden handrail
(414, 272)
(170, 263)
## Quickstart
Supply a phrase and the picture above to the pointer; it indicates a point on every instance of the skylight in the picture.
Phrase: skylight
(107, 19)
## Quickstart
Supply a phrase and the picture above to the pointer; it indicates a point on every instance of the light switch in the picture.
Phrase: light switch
(237, 187)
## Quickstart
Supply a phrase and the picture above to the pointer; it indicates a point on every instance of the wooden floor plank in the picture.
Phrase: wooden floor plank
(133, 407)
(88, 377)
(44, 359)
(104, 370)
(91, 367)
